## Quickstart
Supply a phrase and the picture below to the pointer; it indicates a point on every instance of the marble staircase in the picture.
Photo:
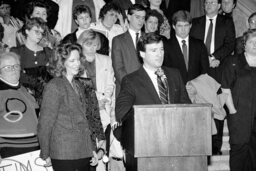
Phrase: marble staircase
(221, 162)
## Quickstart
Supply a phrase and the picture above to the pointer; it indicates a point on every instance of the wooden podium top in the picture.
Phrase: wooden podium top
(172, 130)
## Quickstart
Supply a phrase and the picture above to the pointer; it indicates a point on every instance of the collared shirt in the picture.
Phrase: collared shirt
(213, 31)
(133, 1)
(180, 43)
(80, 31)
(153, 78)
(133, 34)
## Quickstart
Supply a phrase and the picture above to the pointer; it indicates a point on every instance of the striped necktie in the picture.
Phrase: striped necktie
(162, 86)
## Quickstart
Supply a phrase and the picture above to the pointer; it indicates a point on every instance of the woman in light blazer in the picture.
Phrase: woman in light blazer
(64, 130)
(99, 69)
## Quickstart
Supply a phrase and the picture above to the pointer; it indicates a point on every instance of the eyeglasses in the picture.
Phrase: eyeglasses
(252, 22)
(9, 68)
(38, 32)
(211, 3)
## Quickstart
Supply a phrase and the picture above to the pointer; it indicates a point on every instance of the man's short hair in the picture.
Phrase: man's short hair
(219, 1)
(148, 38)
(234, 1)
(181, 15)
(80, 9)
(136, 7)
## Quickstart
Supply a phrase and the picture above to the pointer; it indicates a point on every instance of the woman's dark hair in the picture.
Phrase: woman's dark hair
(36, 3)
(154, 13)
(79, 9)
(9, 2)
(109, 7)
(61, 53)
(30, 23)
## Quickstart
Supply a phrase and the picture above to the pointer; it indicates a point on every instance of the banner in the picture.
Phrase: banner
(24, 162)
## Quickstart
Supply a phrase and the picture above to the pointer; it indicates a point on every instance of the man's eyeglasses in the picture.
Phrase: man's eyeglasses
(9, 68)
(252, 22)
(211, 3)
(38, 32)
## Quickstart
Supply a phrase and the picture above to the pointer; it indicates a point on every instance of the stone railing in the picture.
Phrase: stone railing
(247, 7)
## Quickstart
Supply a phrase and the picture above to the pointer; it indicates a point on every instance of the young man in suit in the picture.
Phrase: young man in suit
(187, 54)
(145, 87)
(124, 55)
(218, 33)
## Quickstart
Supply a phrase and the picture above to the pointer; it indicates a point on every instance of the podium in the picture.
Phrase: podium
(173, 137)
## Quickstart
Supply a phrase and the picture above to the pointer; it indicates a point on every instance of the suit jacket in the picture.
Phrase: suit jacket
(124, 56)
(198, 58)
(138, 89)
(63, 122)
(224, 39)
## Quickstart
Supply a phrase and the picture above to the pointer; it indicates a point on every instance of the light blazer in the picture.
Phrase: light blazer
(198, 58)
(105, 83)
(224, 39)
(63, 129)
(124, 57)
(138, 89)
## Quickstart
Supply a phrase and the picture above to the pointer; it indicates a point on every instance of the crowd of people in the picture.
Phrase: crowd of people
(71, 71)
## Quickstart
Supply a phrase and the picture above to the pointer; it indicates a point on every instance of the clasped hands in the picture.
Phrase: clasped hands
(93, 162)
(213, 62)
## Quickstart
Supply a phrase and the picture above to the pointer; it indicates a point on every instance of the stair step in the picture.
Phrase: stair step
(225, 146)
(225, 129)
(219, 166)
(225, 138)
(221, 162)
(217, 158)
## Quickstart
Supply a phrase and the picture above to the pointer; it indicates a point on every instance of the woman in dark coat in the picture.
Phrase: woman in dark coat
(238, 81)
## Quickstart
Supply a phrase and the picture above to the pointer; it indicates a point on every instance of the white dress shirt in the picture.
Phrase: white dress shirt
(180, 43)
(213, 31)
(153, 78)
(133, 34)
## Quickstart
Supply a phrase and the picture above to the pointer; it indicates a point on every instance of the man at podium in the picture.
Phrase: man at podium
(150, 84)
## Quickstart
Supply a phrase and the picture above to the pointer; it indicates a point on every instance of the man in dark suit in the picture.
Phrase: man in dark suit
(221, 40)
(183, 52)
(218, 33)
(124, 55)
(145, 87)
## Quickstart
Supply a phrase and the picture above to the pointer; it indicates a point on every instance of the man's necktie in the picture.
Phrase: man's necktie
(185, 52)
(209, 37)
(137, 39)
(162, 86)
